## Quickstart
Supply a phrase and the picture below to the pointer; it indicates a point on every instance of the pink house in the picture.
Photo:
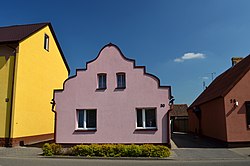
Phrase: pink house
(112, 101)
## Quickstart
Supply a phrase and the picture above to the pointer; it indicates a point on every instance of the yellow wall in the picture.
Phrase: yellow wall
(6, 75)
(38, 73)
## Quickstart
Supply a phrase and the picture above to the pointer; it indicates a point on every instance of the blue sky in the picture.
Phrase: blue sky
(179, 41)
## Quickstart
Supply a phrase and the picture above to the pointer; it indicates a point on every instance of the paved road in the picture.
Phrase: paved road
(12, 161)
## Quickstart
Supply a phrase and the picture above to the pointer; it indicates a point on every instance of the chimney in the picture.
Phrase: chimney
(236, 60)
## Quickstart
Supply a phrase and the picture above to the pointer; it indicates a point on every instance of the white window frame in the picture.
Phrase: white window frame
(122, 84)
(46, 42)
(84, 119)
(100, 79)
(144, 119)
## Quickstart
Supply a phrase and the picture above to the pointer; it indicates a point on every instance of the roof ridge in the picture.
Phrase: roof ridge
(16, 33)
(21, 25)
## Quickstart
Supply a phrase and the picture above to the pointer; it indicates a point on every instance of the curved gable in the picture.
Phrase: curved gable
(107, 51)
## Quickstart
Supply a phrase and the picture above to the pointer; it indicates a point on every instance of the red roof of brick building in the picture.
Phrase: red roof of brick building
(224, 82)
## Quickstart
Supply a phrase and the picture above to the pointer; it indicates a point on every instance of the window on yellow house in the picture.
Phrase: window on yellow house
(46, 42)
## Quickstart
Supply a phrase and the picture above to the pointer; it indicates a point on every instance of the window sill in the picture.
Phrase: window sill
(85, 130)
(146, 129)
(101, 89)
(120, 88)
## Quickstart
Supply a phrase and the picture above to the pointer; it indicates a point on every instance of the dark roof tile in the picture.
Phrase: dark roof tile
(17, 33)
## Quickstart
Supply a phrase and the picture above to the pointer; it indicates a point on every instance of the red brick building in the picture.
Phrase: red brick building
(222, 111)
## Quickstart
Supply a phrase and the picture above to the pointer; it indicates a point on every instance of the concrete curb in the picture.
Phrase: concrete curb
(106, 158)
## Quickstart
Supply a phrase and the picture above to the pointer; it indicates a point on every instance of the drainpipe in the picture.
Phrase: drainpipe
(9, 139)
(171, 105)
(53, 103)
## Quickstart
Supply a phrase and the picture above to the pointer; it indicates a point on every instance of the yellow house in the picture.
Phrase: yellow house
(32, 64)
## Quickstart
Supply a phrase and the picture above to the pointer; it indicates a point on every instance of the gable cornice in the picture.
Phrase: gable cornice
(125, 58)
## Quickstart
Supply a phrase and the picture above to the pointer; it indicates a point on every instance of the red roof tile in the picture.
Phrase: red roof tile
(179, 110)
(224, 82)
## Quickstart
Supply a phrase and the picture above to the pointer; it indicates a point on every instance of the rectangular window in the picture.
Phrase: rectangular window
(248, 114)
(146, 118)
(102, 81)
(46, 42)
(121, 80)
(86, 119)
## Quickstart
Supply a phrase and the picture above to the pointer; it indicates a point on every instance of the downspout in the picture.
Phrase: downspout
(9, 139)
(53, 103)
(171, 104)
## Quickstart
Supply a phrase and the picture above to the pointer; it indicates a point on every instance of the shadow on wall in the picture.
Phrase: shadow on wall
(82, 132)
(144, 131)
(231, 111)
(2, 63)
(242, 110)
(165, 132)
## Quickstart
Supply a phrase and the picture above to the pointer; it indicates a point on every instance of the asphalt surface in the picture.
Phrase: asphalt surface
(189, 147)
(19, 152)
(87, 162)
(176, 154)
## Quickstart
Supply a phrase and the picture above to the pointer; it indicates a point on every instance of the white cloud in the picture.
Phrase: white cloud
(188, 56)
(205, 78)
(178, 60)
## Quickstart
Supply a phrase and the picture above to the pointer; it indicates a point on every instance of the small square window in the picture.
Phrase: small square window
(146, 118)
(102, 81)
(121, 80)
(86, 119)
(46, 42)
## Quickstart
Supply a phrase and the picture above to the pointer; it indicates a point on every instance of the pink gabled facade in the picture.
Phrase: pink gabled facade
(137, 112)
